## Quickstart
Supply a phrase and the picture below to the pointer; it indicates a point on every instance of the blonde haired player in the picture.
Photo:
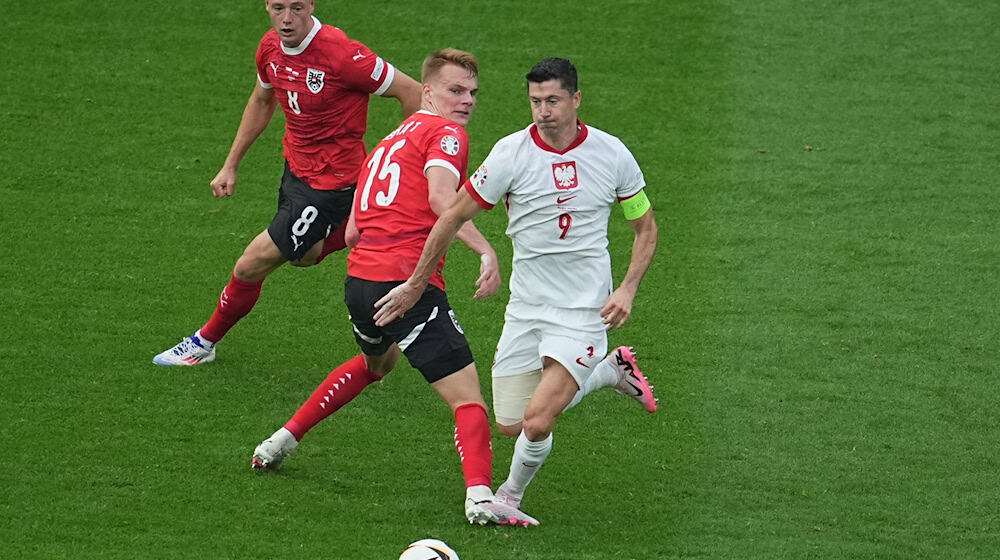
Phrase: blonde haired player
(322, 80)
(407, 180)
(557, 179)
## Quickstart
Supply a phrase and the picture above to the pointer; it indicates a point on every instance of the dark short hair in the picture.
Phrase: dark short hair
(554, 69)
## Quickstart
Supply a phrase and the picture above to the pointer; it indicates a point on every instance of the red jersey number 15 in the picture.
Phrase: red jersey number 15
(389, 169)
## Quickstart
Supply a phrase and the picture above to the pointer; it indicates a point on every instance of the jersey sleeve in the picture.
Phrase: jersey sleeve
(630, 178)
(493, 178)
(448, 147)
(262, 76)
(365, 71)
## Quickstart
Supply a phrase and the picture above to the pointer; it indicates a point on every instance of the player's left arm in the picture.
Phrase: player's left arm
(443, 193)
(406, 90)
(618, 308)
(351, 233)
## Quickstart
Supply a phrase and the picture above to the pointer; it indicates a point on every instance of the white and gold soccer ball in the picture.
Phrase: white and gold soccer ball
(428, 549)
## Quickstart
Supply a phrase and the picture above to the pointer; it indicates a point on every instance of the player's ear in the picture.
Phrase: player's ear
(576, 99)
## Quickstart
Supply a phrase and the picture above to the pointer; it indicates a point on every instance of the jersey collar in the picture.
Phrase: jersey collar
(580, 137)
(305, 42)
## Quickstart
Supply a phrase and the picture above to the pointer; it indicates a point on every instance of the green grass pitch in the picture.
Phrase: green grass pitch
(820, 321)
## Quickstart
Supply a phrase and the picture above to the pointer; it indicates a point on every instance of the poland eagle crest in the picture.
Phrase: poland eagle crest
(565, 175)
(314, 79)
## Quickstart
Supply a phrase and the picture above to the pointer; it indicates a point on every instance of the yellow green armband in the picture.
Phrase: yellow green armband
(635, 206)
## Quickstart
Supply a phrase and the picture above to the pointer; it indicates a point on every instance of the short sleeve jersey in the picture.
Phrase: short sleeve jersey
(391, 207)
(558, 204)
(323, 87)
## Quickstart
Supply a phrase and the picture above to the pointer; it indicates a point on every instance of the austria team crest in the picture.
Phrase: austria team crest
(314, 79)
(564, 175)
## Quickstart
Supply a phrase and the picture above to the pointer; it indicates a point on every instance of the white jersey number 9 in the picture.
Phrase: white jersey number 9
(565, 221)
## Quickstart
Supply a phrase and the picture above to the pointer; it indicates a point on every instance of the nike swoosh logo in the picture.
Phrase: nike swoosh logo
(581, 363)
(638, 391)
(561, 200)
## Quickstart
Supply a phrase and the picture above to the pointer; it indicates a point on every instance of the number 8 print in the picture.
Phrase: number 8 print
(301, 226)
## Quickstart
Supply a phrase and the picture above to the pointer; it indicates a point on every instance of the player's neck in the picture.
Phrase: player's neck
(560, 139)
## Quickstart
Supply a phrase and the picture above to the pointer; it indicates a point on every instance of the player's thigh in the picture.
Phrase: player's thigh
(511, 395)
(360, 297)
(576, 339)
(305, 216)
(431, 337)
(259, 259)
(517, 349)
(555, 390)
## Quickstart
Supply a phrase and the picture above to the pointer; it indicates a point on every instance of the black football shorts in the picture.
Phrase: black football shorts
(306, 215)
(428, 334)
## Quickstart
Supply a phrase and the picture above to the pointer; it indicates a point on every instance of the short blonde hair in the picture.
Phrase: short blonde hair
(437, 60)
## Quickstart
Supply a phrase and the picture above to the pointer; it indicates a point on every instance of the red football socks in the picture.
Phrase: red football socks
(236, 300)
(338, 389)
(333, 242)
(472, 440)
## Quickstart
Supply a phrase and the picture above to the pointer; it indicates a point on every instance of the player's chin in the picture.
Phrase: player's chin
(461, 117)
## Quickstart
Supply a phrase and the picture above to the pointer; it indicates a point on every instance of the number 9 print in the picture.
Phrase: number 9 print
(565, 221)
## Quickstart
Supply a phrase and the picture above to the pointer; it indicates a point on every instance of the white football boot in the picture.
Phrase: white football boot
(189, 352)
(506, 497)
(494, 511)
(631, 381)
(273, 450)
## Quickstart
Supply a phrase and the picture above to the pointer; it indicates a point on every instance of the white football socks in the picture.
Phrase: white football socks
(205, 343)
(604, 375)
(528, 458)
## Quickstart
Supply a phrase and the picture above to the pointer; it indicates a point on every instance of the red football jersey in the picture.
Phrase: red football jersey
(323, 86)
(391, 208)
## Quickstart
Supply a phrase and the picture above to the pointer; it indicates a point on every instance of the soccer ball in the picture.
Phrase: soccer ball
(428, 549)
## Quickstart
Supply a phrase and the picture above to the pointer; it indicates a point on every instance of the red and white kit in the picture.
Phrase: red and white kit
(558, 204)
(323, 87)
(391, 209)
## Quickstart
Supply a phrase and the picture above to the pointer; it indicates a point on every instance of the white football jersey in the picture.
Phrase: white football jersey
(558, 205)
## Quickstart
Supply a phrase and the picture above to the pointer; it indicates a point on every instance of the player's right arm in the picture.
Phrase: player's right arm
(407, 91)
(256, 116)
(404, 296)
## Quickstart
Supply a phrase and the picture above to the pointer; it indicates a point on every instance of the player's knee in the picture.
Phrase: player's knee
(380, 366)
(311, 257)
(509, 430)
(305, 261)
(249, 268)
(537, 426)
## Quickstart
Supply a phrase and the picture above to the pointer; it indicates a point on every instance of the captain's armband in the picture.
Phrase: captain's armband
(635, 206)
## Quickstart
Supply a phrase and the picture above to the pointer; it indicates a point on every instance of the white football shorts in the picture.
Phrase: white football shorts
(576, 338)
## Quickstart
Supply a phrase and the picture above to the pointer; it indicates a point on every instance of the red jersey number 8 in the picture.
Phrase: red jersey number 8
(389, 169)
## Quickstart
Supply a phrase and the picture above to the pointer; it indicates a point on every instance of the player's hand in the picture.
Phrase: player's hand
(489, 276)
(398, 301)
(617, 309)
(224, 183)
